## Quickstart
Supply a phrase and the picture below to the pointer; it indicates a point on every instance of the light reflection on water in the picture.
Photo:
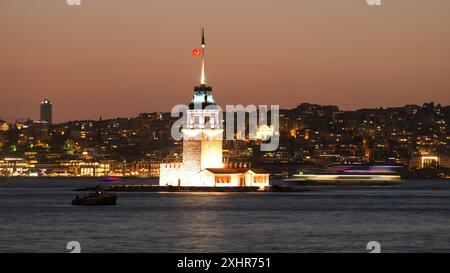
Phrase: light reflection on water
(36, 216)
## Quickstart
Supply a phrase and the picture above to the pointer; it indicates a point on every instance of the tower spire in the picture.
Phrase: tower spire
(203, 78)
(202, 92)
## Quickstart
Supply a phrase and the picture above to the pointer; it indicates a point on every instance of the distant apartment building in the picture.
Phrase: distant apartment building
(46, 111)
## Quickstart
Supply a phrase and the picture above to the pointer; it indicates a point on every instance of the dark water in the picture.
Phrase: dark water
(36, 216)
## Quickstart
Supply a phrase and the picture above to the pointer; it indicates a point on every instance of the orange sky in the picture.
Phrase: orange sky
(122, 57)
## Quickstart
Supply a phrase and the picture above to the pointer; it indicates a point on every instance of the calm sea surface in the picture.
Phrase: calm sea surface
(36, 215)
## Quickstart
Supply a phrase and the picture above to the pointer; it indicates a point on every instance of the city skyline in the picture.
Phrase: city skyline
(39, 112)
(414, 137)
(346, 54)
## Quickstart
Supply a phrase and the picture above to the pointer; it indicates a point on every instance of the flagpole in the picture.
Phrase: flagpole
(203, 78)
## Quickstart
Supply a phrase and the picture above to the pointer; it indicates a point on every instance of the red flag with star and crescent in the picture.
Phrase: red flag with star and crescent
(197, 52)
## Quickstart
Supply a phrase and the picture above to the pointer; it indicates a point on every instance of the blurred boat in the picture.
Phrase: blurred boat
(111, 178)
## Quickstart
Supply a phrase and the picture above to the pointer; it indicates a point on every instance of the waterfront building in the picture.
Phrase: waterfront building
(11, 166)
(429, 161)
(202, 163)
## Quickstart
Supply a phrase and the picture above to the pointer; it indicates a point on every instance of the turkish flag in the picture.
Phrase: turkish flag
(197, 52)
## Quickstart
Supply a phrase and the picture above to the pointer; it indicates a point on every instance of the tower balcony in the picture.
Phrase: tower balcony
(202, 87)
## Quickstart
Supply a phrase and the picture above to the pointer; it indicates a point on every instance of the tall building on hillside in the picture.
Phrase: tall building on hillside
(202, 146)
(46, 111)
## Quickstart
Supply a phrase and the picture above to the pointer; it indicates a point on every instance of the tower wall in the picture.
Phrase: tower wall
(192, 151)
(211, 153)
(170, 174)
(202, 148)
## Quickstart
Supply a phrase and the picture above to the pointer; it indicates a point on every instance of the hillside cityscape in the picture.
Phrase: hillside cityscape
(313, 139)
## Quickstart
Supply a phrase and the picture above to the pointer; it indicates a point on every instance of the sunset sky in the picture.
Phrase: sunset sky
(118, 58)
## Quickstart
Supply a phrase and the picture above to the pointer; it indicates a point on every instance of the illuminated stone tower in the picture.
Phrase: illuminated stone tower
(202, 146)
(202, 136)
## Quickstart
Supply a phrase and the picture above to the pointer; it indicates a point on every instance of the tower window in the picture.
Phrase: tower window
(207, 119)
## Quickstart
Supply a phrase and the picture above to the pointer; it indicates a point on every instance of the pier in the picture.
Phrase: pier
(154, 188)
